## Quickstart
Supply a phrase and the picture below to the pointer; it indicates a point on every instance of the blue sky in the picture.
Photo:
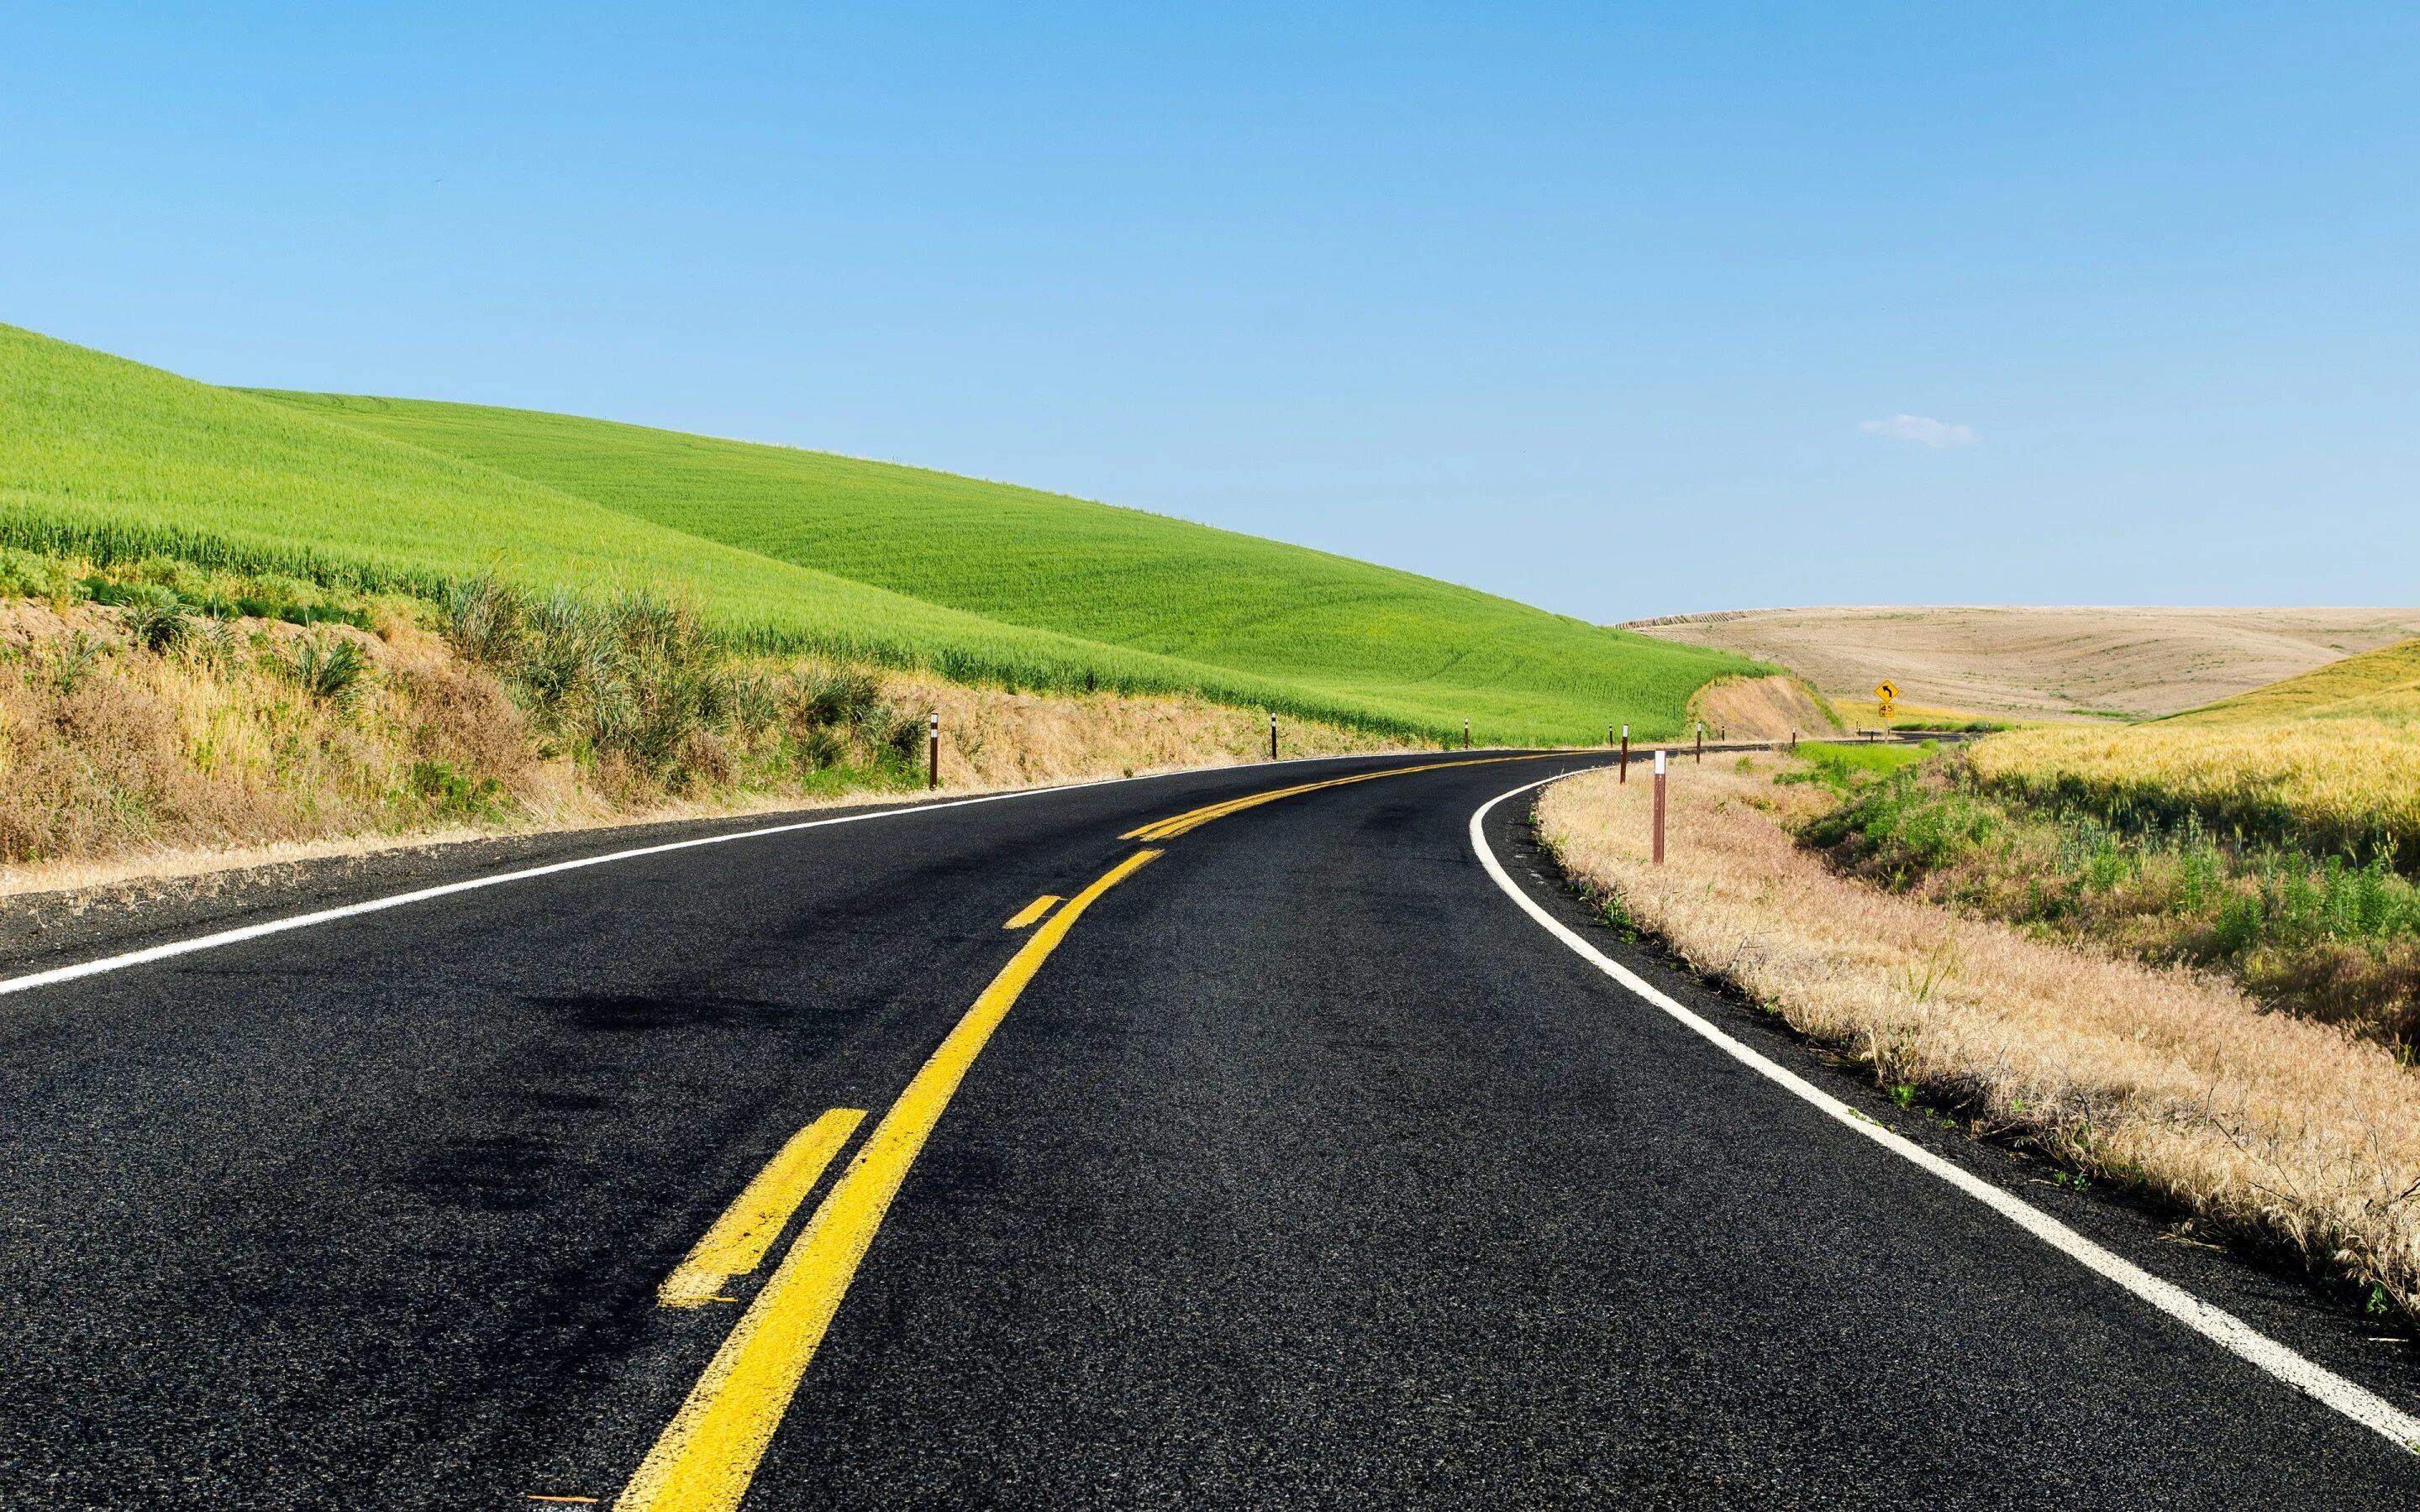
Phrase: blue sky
(1623, 310)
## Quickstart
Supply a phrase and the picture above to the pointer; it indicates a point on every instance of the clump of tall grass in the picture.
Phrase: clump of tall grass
(637, 680)
(157, 618)
(328, 667)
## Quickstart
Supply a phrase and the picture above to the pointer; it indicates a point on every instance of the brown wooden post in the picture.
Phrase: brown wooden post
(1659, 808)
(1701, 743)
(1626, 753)
(933, 757)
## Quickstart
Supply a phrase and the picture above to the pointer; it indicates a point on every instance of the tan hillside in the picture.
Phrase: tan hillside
(1760, 708)
(2046, 663)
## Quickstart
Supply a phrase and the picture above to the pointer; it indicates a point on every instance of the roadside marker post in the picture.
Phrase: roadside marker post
(1793, 739)
(933, 757)
(1273, 735)
(1701, 744)
(1659, 808)
(1626, 753)
(1465, 734)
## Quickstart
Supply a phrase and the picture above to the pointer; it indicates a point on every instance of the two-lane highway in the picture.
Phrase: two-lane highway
(1272, 1158)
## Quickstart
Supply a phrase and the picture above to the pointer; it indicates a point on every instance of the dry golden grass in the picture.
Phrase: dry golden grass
(2270, 1127)
(2043, 663)
(118, 764)
(2327, 761)
(993, 739)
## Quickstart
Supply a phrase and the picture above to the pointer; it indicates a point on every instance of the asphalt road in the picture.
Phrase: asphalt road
(1306, 1171)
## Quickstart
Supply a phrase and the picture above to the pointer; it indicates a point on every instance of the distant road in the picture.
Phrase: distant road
(1292, 1166)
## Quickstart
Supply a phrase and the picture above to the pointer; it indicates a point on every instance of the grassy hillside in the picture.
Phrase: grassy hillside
(985, 584)
(1345, 631)
(110, 457)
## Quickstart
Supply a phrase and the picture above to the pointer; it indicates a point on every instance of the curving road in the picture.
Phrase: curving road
(1296, 1165)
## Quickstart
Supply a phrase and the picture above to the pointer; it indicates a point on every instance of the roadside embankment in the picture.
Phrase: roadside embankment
(1763, 708)
(2289, 1133)
(159, 718)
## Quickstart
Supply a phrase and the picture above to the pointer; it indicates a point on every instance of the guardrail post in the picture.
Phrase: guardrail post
(1659, 808)
(933, 757)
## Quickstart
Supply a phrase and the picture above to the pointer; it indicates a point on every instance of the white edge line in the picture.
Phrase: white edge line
(2221, 1327)
(55, 975)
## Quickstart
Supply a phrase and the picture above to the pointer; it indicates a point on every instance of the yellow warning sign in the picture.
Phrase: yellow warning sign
(1886, 694)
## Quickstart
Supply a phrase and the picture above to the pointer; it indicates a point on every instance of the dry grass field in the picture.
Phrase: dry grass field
(2044, 663)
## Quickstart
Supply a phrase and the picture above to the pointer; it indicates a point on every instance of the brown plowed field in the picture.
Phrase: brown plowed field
(2045, 663)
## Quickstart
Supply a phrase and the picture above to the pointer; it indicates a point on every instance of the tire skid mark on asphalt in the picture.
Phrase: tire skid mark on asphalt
(708, 1454)
(2216, 1324)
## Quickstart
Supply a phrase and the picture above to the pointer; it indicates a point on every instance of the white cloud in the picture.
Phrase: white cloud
(1921, 429)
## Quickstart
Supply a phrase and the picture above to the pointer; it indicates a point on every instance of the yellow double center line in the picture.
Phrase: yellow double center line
(707, 1454)
(710, 1450)
(1193, 819)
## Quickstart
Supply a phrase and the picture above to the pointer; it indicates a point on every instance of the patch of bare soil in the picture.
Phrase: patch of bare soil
(1760, 708)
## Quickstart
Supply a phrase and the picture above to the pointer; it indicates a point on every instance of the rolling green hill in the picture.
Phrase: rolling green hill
(1347, 629)
(796, 549)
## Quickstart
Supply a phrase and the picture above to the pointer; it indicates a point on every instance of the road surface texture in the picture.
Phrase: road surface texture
(1300, 1169)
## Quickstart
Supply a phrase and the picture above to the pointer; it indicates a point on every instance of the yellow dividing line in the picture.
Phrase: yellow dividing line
(1195, 818)
(709, 1451)
(759, 1213)
(1033, 911)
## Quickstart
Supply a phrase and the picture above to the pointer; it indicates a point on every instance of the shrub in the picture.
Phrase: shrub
(447, 790)
(29, 575)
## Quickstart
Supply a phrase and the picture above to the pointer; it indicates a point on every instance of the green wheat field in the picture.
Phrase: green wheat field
(796, 550)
